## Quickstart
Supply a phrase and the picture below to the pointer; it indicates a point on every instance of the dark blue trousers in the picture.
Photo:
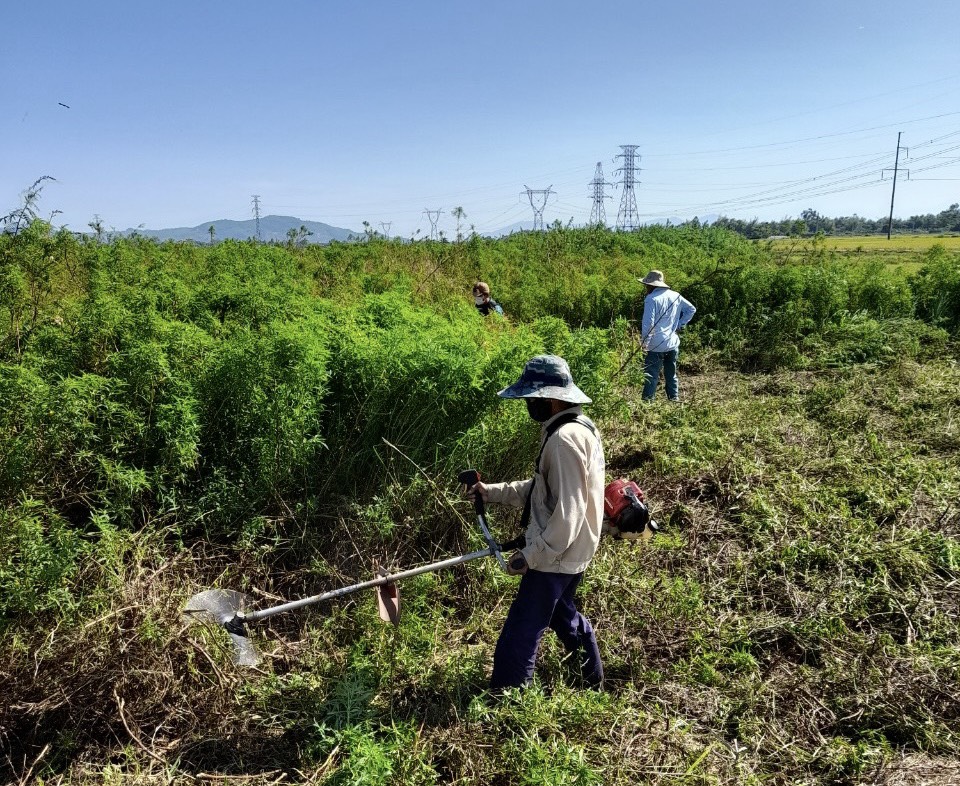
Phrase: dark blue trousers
(544, 600)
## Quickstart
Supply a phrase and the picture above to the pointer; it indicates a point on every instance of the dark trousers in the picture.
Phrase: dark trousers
(544, 600)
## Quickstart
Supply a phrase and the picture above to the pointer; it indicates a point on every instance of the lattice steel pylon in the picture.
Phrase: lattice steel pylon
(434, 217)
(256, 213)
(538, 201)
(628, 218)
(598, 213)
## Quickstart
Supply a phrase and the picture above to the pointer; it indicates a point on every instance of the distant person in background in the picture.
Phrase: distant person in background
(482, 300)
(665, 314)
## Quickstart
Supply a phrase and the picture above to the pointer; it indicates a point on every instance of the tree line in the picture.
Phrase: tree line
(811, 222)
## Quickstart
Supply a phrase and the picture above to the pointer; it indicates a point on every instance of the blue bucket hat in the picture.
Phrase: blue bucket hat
(546, 376)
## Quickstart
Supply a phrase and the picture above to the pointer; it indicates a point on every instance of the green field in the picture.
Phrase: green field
(905, 253)
(278, 419)
(895, 243)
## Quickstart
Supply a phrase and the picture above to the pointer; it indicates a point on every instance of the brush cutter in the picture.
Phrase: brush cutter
(627, 517)
(228, 608)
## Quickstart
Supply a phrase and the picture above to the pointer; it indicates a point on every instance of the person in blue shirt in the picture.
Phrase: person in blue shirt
(482, 300)
(665, 313)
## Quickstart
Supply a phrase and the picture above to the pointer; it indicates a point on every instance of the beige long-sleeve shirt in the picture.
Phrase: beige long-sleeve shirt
(566, 510)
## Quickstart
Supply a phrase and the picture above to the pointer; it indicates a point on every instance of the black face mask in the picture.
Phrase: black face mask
(539, 409)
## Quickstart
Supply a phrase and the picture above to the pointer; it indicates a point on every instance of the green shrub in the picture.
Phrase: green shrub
(936, 289)
(411, 377)
(859, 338)
(23, 406)
(40, 555)
(260, 401)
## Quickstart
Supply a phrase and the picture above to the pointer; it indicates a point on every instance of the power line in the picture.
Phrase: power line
(936, 139)
(770, 165)
(785, 200)
(786, 190)
(942, 164)
(513, 211)
(935, 154)
(776, 193)
(802, 139)
(816, 110)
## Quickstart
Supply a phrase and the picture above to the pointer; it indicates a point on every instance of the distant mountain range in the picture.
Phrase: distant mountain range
(275, 228)
(271, 228)
(520, 226)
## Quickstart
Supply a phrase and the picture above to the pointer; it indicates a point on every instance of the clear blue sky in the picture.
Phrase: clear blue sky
(343, 112)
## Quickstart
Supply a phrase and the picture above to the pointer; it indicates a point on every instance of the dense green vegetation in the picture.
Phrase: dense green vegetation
(277, 418)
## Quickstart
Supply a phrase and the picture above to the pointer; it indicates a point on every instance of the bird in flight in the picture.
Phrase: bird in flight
(63, 104)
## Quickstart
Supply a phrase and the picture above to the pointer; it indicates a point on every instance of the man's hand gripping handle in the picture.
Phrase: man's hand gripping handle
(470, 478)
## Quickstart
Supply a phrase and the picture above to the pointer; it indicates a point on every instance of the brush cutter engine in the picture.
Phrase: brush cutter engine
(625, 513)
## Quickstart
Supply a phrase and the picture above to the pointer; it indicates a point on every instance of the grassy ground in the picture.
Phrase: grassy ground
(797, 622)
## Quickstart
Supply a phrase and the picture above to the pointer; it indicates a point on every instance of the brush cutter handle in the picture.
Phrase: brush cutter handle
(470, 478)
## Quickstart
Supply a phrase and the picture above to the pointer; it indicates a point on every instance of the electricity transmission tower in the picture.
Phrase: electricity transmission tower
(256, 213)
(628, 218)
(893, 191)
(598, 213)
(434, 216)
(538, 201)
(385, 226)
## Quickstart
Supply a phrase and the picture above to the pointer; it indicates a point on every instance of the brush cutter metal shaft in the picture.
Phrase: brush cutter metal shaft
(253, 616)
(486, 534)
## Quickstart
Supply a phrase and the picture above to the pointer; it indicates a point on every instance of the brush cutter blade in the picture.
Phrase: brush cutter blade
(388, 603)
(221, 607)
(218, 605)
(245, 653)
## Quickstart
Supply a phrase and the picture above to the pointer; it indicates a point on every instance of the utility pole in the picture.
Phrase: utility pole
(256, 214)
(385, 226)
(598, 213)
(893, 191)
(538, 201)
(434, 217)
(628, 218)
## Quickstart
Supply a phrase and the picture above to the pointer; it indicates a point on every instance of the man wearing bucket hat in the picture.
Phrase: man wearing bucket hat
(665, 313)
(562, 516)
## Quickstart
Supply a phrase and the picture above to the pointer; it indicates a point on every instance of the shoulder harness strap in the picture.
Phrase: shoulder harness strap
(552, 429)
(562, 420)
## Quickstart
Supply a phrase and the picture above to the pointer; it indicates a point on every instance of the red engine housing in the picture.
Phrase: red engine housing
(615, 500)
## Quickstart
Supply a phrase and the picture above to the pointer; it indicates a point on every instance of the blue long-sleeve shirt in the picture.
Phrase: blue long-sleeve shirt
(664, 313)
